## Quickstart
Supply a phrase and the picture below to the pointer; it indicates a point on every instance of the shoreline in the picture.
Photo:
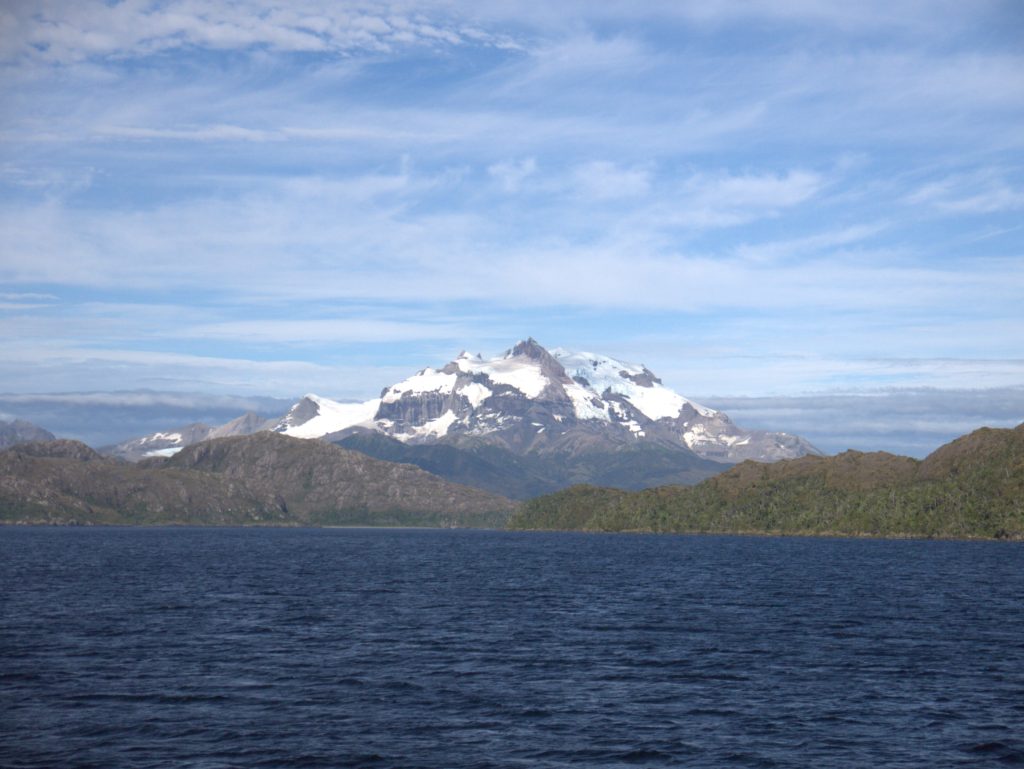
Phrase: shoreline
(774, 534)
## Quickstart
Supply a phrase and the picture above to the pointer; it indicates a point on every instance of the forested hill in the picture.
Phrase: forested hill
(971, 487)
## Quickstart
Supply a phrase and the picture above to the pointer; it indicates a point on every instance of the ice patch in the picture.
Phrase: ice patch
(436, 427)
(582, 403)
(654, 401)
(476, 393)
(524, 376)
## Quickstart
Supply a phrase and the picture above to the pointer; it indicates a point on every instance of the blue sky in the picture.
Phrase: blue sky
(767, 203)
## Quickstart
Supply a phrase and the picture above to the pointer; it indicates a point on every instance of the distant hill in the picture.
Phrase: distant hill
(262, 478)
(20, 431)
(494, 467)
(167, 443)
(972, 487)
(323, 483)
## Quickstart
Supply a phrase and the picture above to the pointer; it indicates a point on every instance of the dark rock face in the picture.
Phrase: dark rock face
(301, 412)
(411, 411)
(20, 431)
(645, 379)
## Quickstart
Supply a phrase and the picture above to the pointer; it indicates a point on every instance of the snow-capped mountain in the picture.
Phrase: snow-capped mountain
(170, 442)
(530, 400)
(520, 424)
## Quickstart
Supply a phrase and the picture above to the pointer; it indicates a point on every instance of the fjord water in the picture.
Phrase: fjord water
(412, 648)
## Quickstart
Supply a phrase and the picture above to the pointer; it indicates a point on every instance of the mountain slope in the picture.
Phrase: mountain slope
(498, 469)
(324, 483)
(165, 444)
(20, 431)
(972, 487)
(67, 482)
(263, 478)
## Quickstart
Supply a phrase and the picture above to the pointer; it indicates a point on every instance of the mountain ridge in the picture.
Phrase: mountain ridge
(970, 487)
(263, 478)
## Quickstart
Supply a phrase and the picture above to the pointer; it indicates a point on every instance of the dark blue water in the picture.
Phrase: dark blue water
(377, 648)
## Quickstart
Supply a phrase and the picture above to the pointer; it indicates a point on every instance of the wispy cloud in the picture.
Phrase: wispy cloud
(66, 33)
(979, 193)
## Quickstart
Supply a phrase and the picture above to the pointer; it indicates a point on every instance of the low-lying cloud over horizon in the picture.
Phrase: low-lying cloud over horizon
(913, 422)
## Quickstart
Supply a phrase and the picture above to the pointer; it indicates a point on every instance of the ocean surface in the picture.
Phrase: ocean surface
(192, 647)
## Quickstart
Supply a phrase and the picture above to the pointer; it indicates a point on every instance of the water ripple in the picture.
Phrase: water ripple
(211, 648)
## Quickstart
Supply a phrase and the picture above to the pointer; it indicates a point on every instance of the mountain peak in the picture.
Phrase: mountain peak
(529, 348)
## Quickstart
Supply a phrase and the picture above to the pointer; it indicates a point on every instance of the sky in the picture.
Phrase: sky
(808, 213)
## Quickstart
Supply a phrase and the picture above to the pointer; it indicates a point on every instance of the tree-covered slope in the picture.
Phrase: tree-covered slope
(972, 487)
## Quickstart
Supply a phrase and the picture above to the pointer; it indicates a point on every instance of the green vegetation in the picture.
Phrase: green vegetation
(972, 487)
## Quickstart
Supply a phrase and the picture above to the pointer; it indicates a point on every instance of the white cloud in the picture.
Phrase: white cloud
(918, 17)
(138, 399)
(982, 192)
(913, 421)
(319, 331)
(510, 174)
(604, 180)
(661, 176)
(63, 32)
(712, 200)
(755, 191)
(227, 133)
(816, 244)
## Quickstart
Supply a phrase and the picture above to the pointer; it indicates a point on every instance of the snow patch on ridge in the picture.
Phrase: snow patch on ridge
(426, 381)
(175, 437)
(524, 376)
(476, 393)
(655, 401)
(333, 416)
